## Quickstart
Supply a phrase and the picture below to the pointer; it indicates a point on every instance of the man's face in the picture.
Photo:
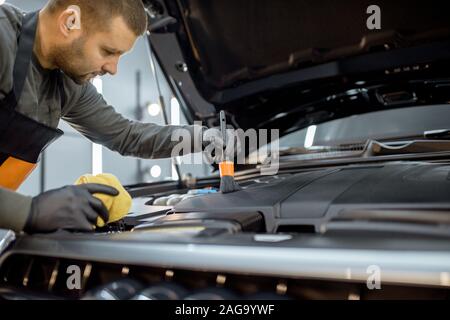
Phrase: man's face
(95, 53)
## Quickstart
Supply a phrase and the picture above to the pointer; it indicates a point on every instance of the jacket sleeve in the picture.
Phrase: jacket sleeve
(99, 122)
(14, 210)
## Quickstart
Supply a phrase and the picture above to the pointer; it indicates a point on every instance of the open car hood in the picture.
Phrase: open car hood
(265, 60)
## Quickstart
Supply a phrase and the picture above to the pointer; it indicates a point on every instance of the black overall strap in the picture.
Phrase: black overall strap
(24, 53)
(22, 137)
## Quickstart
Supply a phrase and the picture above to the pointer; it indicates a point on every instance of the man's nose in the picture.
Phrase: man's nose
(111, 67)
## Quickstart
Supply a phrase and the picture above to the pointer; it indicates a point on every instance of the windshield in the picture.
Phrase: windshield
(379, 125)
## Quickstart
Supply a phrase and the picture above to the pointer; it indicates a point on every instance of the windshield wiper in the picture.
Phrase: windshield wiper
(437, 134)
(376, 148)
(428, 142)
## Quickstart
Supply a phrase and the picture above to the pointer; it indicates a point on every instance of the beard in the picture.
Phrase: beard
(72, 61)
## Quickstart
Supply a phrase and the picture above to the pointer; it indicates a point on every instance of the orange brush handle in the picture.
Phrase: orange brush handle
(226, 168)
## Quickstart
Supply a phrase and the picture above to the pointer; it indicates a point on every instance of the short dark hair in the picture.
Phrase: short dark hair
(96, 13)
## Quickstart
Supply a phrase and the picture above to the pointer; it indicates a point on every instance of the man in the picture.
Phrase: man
(46, 61)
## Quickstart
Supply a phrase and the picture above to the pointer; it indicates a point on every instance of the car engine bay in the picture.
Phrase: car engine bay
(305, 234)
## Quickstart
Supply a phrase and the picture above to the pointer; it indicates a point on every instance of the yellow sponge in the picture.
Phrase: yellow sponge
(118, 206)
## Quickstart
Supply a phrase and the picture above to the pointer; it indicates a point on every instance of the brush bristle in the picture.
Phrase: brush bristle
(228, 184)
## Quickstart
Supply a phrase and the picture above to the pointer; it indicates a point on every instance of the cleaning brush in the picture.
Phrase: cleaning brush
(227, 182)
(226, 167)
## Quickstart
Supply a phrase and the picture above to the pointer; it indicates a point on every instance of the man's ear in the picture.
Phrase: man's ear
(70, 19)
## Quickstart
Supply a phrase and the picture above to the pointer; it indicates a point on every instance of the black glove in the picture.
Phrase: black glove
(69, 208)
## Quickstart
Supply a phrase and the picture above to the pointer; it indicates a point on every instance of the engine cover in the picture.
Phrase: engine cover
(317, 196)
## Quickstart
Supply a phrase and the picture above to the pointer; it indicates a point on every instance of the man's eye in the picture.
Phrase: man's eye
(107, 52)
